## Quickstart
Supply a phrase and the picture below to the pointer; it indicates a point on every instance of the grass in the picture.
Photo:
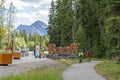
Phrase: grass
(110, 70)
(99, 59)
(39, 74)
(44, 73)
(69, 62)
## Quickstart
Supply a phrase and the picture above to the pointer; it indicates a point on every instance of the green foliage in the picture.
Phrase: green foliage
(92, 15)
(19, 43)
(24, 35)
(118, 61)
(110, 70)
(31, 45)
(81, 38)
(2, 17)
(113, 36)
(88, 18)
(30, 41)
(60, 25)
(2, 35)
(45, 42)
(52, 29)
(2, 32)
(115, 7)
(52, 73)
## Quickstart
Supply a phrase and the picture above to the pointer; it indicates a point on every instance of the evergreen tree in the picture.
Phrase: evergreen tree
(52, 25)
(87, 18)
(67, 23)
(92, 15)
(24, 35)
(113, 37)
(115, 7)
(61, 23)
(81, 38)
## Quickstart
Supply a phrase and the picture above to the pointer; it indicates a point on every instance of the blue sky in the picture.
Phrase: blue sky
(28, 11)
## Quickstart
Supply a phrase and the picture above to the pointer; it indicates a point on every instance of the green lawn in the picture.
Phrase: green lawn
(110, 70)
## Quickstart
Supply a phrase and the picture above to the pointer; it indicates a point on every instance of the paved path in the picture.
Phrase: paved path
(83, 71)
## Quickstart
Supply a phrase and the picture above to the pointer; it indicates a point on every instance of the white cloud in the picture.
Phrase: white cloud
(45, 2)
(31, 1)
(40, 15)
(39, 10)
(23, 15)
(42, 12)
(19, 5)
(35, 5)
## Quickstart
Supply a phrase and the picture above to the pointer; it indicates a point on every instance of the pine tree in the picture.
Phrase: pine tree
(115, 7)
(67, 23)
(61, 23)
(91, 16)
(112, 30)
(52, 24)
(113, 37)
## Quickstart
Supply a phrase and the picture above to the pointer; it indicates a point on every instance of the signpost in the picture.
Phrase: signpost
(37, 51)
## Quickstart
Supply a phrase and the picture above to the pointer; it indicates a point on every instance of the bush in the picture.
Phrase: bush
(118, 61)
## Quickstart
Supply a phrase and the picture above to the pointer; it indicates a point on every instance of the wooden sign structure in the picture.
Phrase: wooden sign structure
(51, 48)
(59, 50)
(65, 50)
(73, 49)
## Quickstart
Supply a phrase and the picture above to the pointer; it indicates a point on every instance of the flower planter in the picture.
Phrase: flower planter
(17, 55)
(5, 58)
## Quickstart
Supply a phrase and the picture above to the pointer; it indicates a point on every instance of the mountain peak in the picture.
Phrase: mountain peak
(38, 27)
(38, 22)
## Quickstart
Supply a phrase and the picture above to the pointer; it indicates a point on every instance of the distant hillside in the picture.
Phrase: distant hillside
(38, 27)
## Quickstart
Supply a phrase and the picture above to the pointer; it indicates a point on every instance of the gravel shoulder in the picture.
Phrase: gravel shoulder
(25, 64)
(83, 71)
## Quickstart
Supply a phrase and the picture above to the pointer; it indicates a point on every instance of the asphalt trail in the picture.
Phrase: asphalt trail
(83, 71)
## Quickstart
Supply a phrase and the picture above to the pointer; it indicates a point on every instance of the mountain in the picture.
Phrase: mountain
(37, 27)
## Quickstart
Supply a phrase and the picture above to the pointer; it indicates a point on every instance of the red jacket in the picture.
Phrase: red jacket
(89, 54)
